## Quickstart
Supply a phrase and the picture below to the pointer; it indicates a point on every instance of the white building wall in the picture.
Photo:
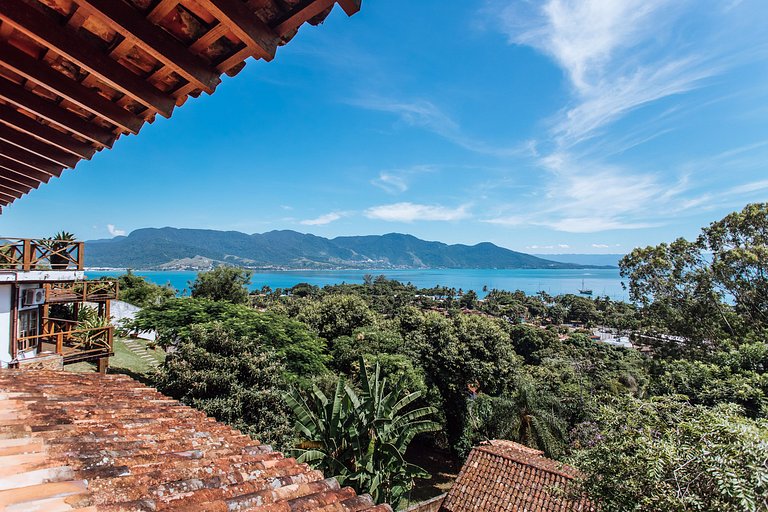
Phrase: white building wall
(5, 324)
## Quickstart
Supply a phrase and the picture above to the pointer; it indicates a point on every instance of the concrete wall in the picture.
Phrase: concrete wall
(120, 311)
(431, 505)
(5, 324)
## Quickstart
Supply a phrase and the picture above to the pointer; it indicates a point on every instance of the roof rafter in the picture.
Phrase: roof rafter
(127, 21)
(52, 112)
(29, 159)
(22, 173)
(66, 42)
(26, 124)
(350, 6)
(244, 23)
(304, 12)
(63, 86)
(37, 147)
(13, 185)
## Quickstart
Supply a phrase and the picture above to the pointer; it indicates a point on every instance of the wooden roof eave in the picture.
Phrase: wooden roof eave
(77, 74)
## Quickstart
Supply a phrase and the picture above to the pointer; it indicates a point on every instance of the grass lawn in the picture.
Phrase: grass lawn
(124, 361)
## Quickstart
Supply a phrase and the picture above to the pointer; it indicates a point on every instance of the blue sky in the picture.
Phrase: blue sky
(544, 126)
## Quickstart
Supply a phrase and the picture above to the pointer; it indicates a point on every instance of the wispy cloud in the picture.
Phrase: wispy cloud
(409, 212)
(612, 53)
(397, 181)
(617, 58)
(425, 114)
(390, 183)
(115, 231)
(589, 197)
(323, 219)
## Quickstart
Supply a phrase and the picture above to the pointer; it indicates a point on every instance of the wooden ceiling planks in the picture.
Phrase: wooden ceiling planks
(77, 74)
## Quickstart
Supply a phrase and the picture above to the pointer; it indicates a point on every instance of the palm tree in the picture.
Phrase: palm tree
(60, 247)
(526, 416)
(361, 438)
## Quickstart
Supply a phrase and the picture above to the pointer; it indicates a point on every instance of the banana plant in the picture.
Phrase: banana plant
(361, 437)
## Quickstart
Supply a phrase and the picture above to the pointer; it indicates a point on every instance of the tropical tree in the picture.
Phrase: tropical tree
(712, 288)
(525, 416)
(336, 315)
(304, 353)
(361, 438)
(667, 455)
(236, 379)
(223, 284)
(138, 291)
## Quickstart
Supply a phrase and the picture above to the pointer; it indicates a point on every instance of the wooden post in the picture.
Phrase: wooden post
(60, 343)
(44, 320)
(80, 255)
(26, 255)
(103, 364)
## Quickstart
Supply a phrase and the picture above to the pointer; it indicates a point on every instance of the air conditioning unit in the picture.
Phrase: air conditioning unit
(34, 297)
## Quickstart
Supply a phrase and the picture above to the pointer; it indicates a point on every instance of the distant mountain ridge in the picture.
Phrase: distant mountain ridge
(174, 248)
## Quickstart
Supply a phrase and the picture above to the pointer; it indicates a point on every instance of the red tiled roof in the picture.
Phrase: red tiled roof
(95, 442)
(503, 475)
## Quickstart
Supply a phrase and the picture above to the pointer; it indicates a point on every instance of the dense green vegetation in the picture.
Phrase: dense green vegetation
(677, 425)
(138, 291)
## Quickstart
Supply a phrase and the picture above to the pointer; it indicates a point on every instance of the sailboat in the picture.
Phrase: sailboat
(583, 290)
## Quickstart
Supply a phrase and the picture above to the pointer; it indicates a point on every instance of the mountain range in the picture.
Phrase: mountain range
(195, 249)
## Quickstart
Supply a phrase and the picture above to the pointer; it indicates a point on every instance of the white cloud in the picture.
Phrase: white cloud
(323, 219)
(114, 231)
(409, 212)
(600, 246)
(612, 52)
(390, 183)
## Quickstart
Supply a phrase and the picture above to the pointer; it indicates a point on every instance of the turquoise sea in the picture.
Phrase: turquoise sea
(601, 281)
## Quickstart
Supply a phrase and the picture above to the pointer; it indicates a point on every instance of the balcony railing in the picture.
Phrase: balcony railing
(81, 291)
(75, 344)
(40, 254)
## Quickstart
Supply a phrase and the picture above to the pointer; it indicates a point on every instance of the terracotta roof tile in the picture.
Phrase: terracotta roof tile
(507, 476)
(107, 443)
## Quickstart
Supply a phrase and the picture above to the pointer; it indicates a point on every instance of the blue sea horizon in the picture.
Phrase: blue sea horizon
(603, 282)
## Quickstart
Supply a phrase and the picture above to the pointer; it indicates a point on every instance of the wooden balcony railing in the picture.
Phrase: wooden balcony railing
(81, 291)
(71, 343)
(40, 254)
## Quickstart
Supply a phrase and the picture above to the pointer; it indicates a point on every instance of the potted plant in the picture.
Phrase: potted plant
(58, 250)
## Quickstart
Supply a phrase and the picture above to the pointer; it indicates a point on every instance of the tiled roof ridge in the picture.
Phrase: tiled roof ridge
(527, 456)
(106, 442)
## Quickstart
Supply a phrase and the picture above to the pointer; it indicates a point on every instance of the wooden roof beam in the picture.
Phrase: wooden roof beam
(39, 148)
(66, 42)
(304, 12)
(9, 196)
(246, 25)
(11, 185)
(30, 160)
(129, 22)
(61, 85)
(18, 121)
(350, 6)
(21, 173)
(17, 95)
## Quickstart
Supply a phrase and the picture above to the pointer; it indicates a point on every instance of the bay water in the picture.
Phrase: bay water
(603, 282)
